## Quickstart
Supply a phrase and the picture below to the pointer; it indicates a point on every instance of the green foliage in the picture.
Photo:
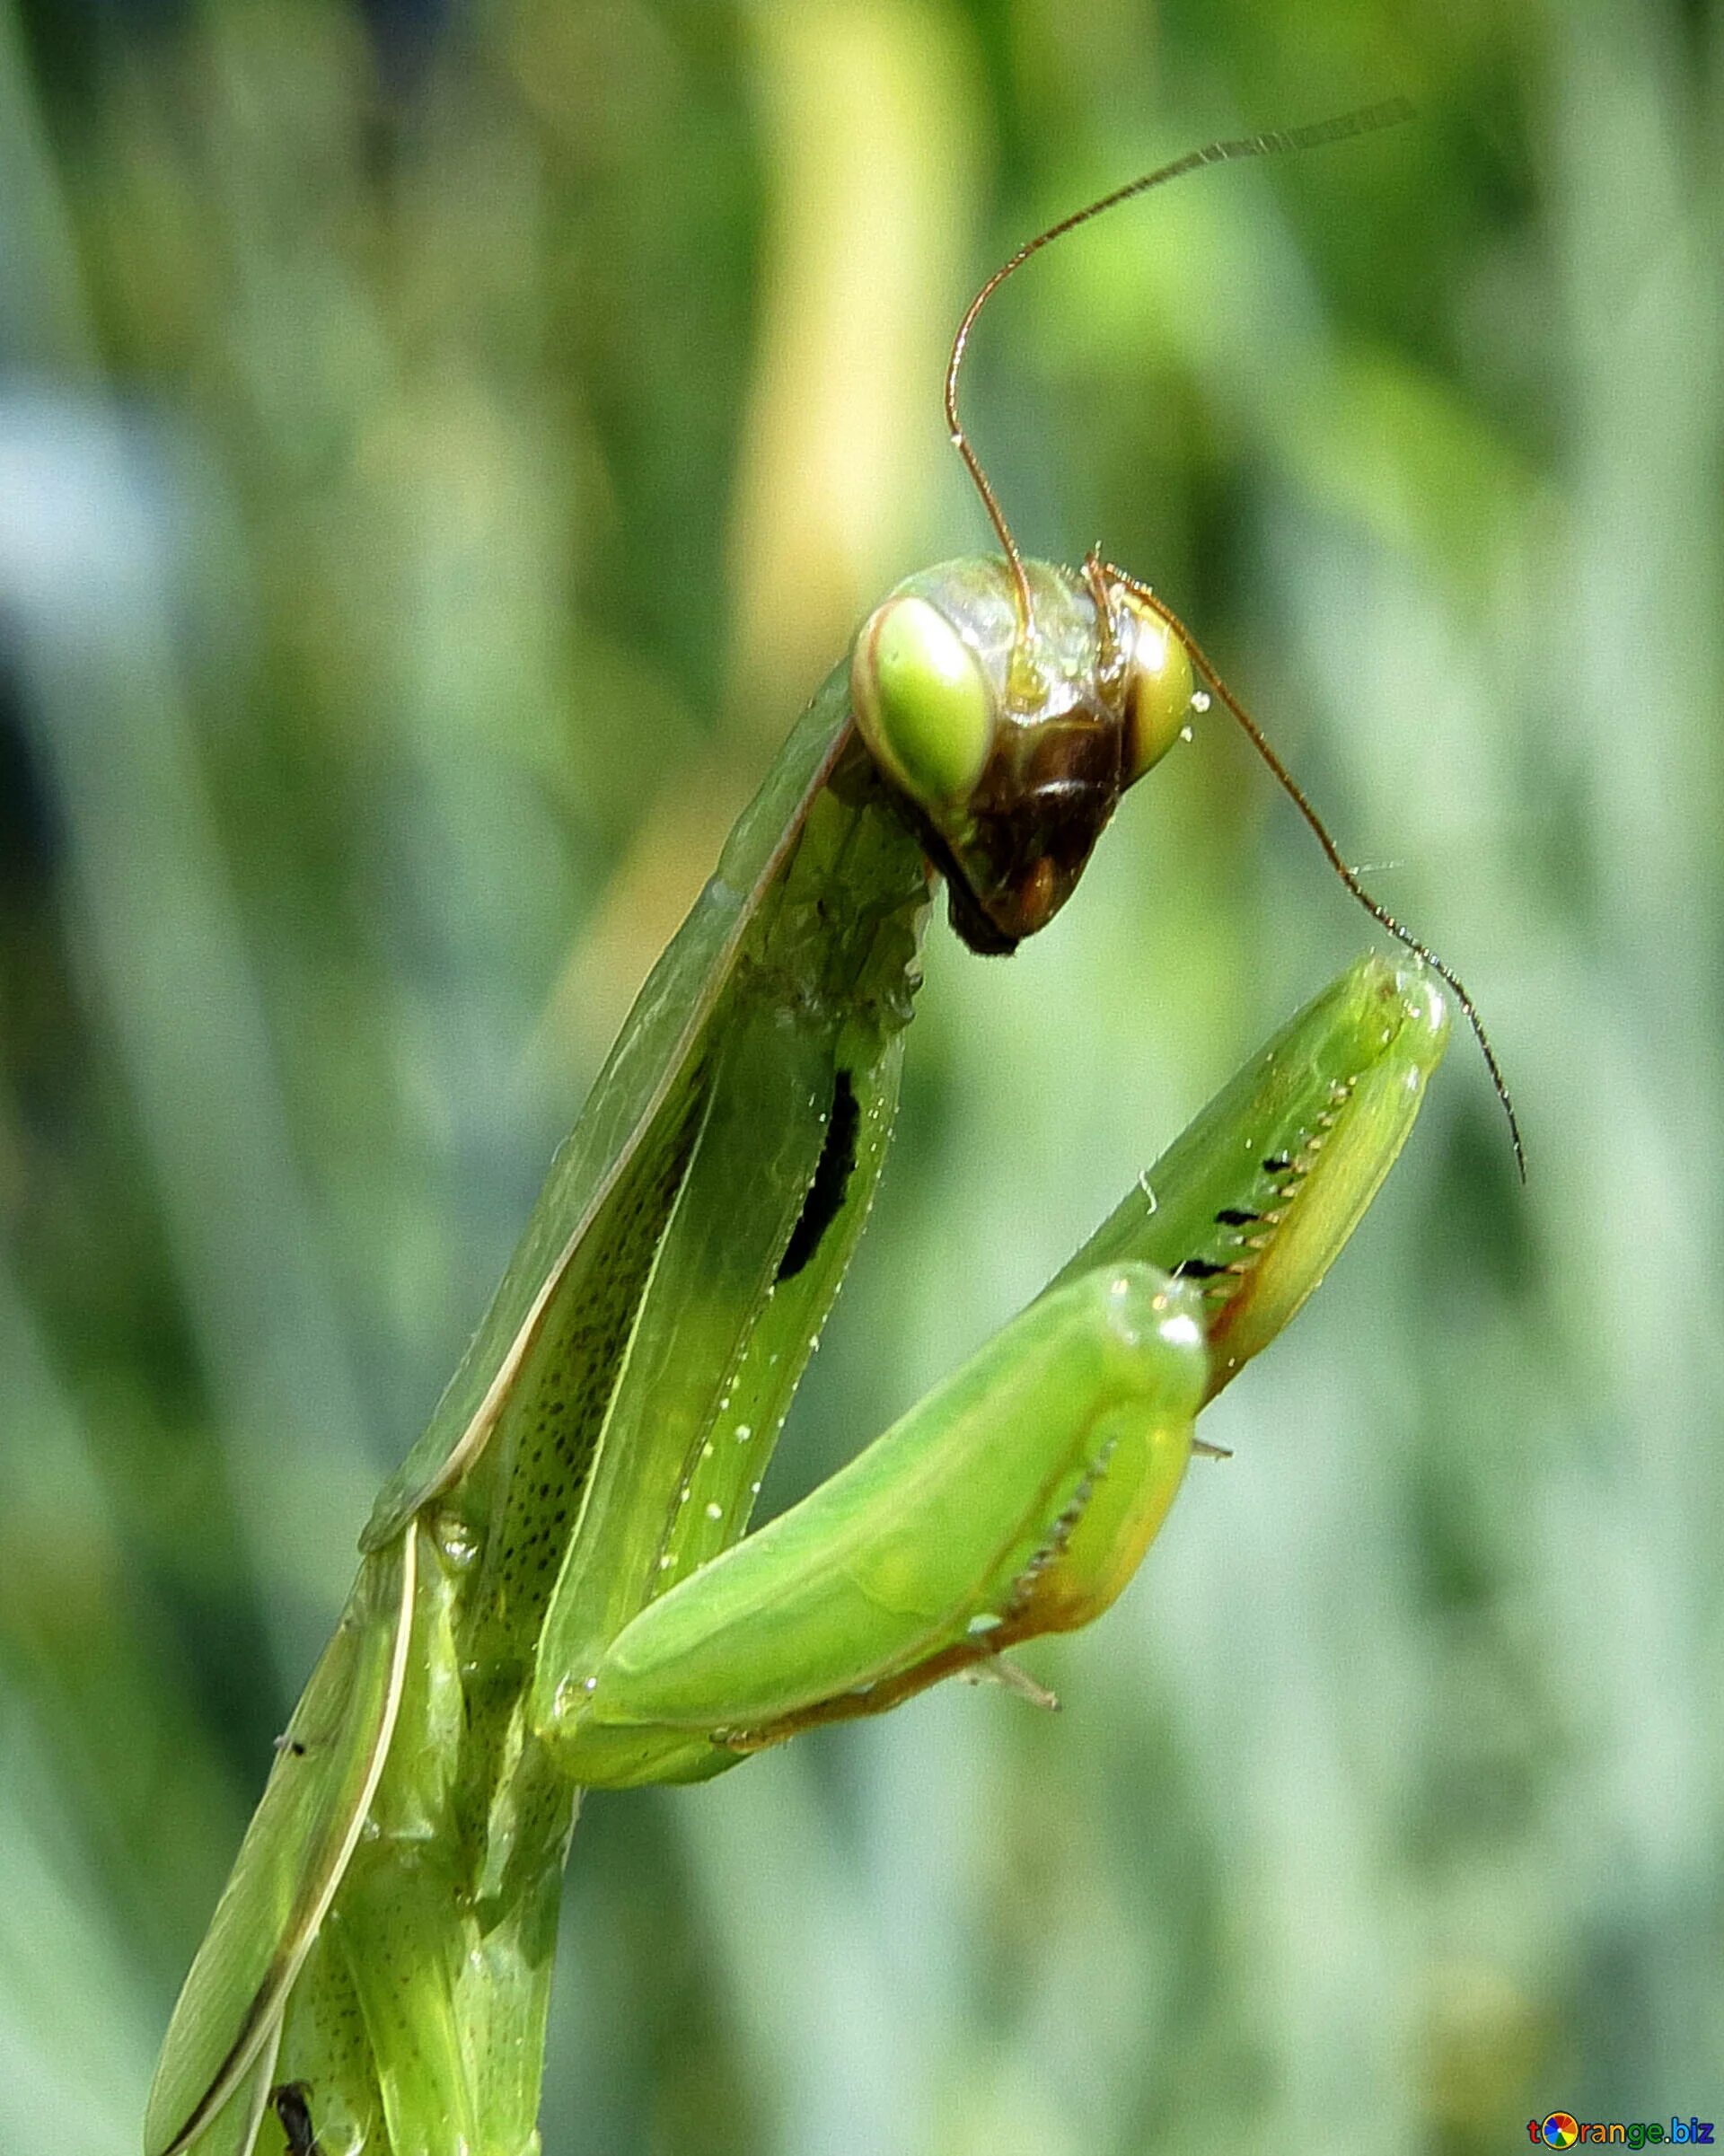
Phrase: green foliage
(436, 463)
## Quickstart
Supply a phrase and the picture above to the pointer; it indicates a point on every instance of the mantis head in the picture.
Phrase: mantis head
(1009, 757)
(1010, 704)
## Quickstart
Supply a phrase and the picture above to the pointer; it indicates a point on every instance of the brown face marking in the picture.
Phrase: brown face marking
(1026, 835)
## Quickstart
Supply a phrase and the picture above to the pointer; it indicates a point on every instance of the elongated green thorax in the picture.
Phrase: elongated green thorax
(618, 1406)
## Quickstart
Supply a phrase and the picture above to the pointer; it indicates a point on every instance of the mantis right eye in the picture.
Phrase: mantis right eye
(1158, 690)
(922, 701)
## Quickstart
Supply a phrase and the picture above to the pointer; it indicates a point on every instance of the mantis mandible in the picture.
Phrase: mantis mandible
(556, 1591)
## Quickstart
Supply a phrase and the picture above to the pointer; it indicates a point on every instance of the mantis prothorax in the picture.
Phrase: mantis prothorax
(556, 1591)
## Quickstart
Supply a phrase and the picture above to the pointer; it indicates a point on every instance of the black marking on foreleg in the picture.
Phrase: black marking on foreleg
(831, 1179)
(293, 2107)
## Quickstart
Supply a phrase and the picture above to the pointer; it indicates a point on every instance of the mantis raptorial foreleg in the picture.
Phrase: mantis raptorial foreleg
(1020, 1496)
(933, 1547)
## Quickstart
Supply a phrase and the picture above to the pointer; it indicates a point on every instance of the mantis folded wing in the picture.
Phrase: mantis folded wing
(556, 1591)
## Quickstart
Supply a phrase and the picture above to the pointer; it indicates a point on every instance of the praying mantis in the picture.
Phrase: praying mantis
(557, 1589)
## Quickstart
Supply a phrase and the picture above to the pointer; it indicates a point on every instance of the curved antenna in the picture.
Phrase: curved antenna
(1290, 785)
(1366, 120)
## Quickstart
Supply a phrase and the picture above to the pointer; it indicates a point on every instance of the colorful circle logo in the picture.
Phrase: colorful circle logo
(1559, 2131)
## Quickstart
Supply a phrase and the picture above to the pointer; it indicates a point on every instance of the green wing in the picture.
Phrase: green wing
(652, 1057)
(216, 2067)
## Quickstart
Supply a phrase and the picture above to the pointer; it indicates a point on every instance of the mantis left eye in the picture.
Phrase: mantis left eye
(1158, 689)
(922, 701)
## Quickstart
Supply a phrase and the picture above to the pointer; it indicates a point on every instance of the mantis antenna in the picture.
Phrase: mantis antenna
(1296, 793)
(1366, 119)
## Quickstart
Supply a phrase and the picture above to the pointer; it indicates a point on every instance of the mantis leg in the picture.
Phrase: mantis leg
(1255, 1199)
(1020, 1496)
(1016, 1498)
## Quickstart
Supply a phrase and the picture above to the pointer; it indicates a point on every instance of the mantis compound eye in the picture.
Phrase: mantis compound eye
(1158, 687)
(922, 701)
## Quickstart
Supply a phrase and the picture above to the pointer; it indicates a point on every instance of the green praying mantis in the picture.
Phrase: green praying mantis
(557, 1590)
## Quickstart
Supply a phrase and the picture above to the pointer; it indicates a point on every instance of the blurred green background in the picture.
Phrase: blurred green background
(440, 447)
